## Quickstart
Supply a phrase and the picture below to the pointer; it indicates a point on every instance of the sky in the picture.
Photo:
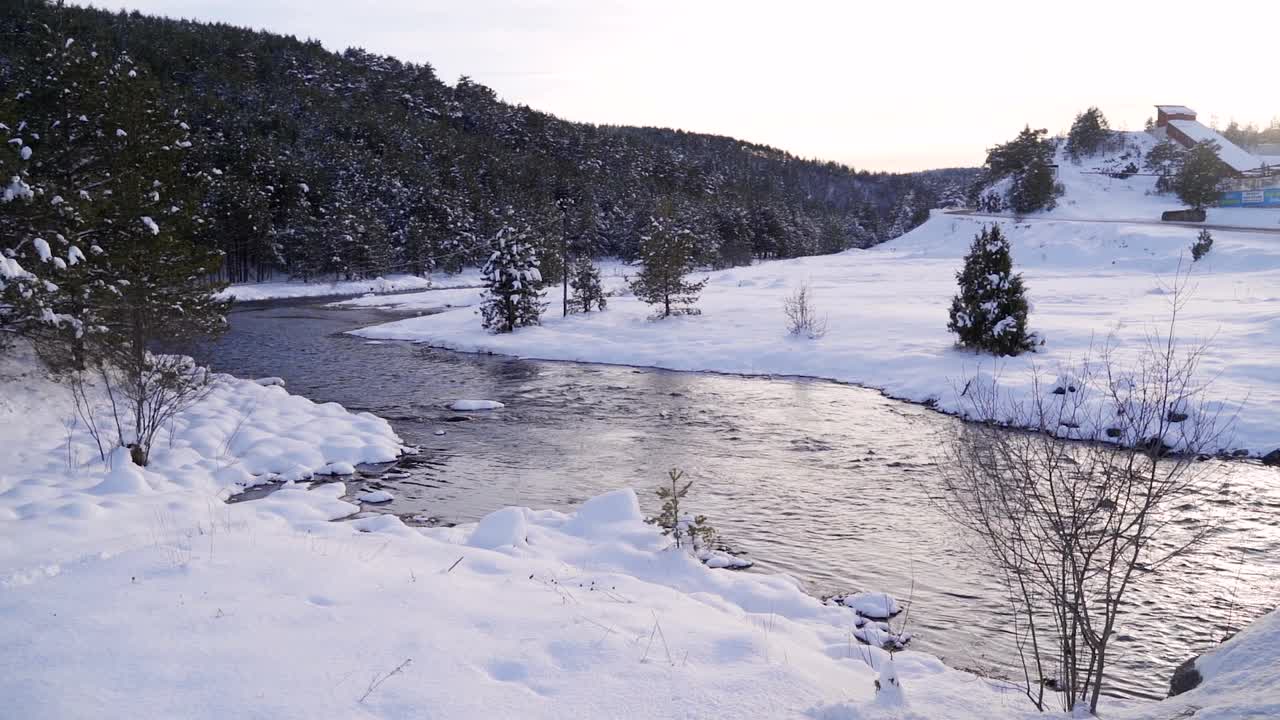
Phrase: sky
(894, 86)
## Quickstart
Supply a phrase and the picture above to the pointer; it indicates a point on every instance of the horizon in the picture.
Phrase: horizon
(589, 62)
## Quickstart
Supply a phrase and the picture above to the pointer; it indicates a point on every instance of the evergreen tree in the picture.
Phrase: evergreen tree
(1165, 160)
(1018, 154)
(584, 284)
(512, 297)
(1033, 189)
(990, 312)
(1088, 134)
(1202, 245)
(667, 256)
(1200, 177)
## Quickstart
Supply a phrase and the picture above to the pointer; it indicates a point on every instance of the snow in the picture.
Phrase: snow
(1230, 153)
(508, 527)
(887, 315)
(25, 153)
(874, 605)
(417, 301)
(139, 591)
(467, 405)
(375, 496)
(151, 225)
(42, 249)
(389, 284)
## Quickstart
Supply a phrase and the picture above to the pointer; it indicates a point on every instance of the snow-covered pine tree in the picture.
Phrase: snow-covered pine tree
(108, 173)
(584, 283)
(1033, 189)
(667, 256)
(990, 312)
(512, 296)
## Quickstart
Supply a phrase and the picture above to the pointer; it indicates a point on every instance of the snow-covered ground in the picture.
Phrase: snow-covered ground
(392, 283)
(139, 592)
(887, 311)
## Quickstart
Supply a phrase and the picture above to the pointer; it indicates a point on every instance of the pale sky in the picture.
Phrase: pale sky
(886, 86)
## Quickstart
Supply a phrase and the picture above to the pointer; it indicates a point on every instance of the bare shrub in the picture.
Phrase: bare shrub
(144, 395)
(1071, 525)
(802, 315)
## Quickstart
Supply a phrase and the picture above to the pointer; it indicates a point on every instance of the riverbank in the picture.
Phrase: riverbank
(887, 314)
(137, 590)
(284, 289)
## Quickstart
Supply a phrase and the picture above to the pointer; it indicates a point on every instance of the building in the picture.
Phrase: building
(1165, 113)
(1255, 180)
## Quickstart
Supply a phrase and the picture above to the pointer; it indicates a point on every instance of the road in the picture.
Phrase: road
(1198, 226)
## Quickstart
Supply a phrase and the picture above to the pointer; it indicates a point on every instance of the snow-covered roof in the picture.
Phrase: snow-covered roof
(1228, 152)
(1175, 110)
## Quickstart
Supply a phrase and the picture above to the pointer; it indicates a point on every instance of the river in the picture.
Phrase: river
(833, 484)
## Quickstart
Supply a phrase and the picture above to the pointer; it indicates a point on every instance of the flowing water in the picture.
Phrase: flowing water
(834, 484)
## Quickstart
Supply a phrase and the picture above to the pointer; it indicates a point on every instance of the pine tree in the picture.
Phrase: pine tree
(1165, 160)
(990, 312)
(585, 286)
(1200, 176)
(1202, 245)
(1088, 133)
(512, 296)
(667, 256)
(691, 532)
(1033, 189)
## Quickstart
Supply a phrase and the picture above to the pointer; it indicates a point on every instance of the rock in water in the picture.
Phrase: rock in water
(1185, 677)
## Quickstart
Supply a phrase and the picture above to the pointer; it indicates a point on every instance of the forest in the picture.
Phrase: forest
(323, 165)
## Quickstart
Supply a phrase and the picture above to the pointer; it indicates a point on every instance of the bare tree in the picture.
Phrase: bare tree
(802, 315)
(1081, 501)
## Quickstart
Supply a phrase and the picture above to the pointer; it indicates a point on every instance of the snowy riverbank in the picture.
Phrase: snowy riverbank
(277, 290)
(139, 591)
(887, 310)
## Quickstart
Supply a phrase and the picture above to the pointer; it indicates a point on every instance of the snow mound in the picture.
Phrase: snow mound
(874, 605)
(124, 478)
(375, 496)
(602, 515)
(506, 527)
(466, 405)
(337, 468)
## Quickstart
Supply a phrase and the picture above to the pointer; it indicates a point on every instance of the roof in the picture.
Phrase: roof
(1175, 110)
(1228, 152)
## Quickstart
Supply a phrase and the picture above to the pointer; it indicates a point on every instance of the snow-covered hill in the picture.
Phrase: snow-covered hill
(1093, 194)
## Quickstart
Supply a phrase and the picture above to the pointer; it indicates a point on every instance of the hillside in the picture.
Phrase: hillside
(355, 165)
(1094, 188)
